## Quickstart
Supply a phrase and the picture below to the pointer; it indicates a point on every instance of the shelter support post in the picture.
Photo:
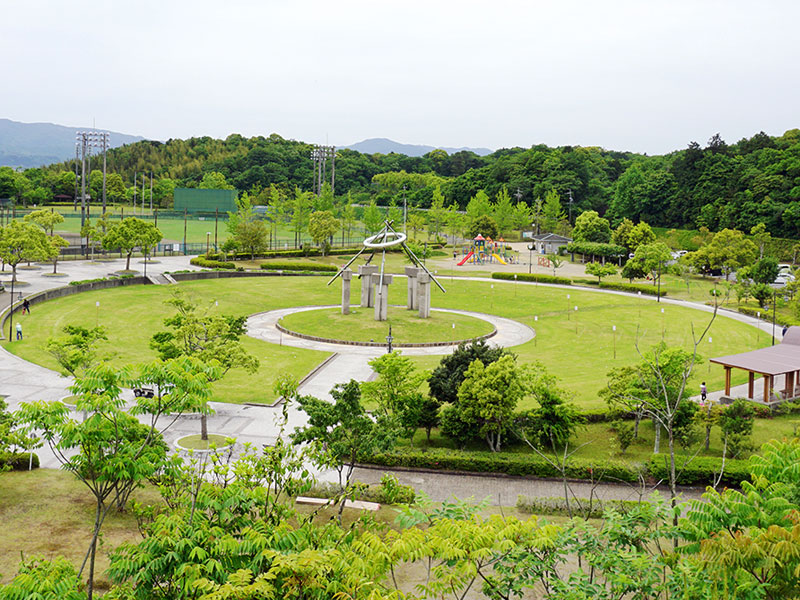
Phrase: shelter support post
(727, 381)
(789, 387)
(751, 380)
(767, 386)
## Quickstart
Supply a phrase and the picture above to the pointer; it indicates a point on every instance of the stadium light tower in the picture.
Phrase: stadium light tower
(84, 142)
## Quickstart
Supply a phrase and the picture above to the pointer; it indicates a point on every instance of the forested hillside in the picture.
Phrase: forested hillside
(755, 180)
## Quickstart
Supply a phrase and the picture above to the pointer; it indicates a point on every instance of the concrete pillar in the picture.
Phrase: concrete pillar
(424, 295)
(382, 297)
(347, 276)
(365, 272)
(411, 300)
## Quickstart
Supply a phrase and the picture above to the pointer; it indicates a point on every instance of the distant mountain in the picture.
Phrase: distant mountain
(386, 146)
(36, 144)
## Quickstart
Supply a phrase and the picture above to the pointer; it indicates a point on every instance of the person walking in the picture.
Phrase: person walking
(26, 307)
(703, 391)
(19, 331)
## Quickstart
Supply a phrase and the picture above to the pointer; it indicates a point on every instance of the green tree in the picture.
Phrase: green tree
(213, 180)
(396, 390)
(301, 210)
(600, 270)
(110, 452)
(736, 423)
(761, 237)
(437, 214)
(640, 235)
(210, 338)
(447, 377)
(552, 213)
(20, 241)
(765, 270)
(555, 261)
(484, 226)
(46, 219)
(591, 227)
(247, 230)
(342, 431)
(75, 350)
(129, 234)
(503, 211)
(322, 225)
(416, 223)
(373, 218)
(522, 217)
(489, 395)
(728, 250)
(622, 234)
(652, 258)
(478, 206)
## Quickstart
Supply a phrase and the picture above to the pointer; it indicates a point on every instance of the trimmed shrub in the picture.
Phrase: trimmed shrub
(585, 281)
(649, 290)
(541, 278)
(558, 506)
(596, 249)
(507, 463)
(18, 461)
(702, 470)
(287, 266)
(201, 261)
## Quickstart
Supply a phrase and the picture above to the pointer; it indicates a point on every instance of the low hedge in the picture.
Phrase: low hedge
(506, 463)
(558, 506)
(377, 492)
(766, 315)
(287, 266)
(596, 249)
(584, 281)
(533, 277)
(649, 290)
(208, 263)
(703, 470)
(18, 461)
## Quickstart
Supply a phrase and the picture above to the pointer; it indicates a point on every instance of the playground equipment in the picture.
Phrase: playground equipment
(485, 250)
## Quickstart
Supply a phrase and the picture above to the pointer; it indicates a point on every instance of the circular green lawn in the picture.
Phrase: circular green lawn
(407, 327)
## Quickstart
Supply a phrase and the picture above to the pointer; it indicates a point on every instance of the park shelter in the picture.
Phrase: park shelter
(549, 243)
(195, 200)
(781, 360)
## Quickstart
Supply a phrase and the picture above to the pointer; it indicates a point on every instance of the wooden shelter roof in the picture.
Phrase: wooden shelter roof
(774, 360)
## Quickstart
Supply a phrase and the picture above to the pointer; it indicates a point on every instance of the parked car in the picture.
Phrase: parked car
(784, 278)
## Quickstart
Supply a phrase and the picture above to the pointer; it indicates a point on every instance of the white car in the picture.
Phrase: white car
(784, 278)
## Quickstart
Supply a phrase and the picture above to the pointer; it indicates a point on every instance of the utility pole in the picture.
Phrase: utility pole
(570, 206)
(134, 193)
(151, 191)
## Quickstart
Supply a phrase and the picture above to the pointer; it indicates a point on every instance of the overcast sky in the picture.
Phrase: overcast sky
(646, 75)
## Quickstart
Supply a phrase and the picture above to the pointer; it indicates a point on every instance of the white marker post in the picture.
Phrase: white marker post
(97, 313)
(614, 330)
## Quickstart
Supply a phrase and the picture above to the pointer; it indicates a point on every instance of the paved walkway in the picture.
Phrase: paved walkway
(22, 381)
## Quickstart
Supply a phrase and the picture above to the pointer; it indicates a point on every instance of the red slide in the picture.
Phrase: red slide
(465, 259)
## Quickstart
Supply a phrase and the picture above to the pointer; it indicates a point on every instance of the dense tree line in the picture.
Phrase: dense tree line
(755, 180)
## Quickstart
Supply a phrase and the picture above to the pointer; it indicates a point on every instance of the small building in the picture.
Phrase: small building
(779, 364)
(549, 243)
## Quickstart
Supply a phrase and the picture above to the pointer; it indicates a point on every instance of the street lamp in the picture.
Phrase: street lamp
(774, 302)
(530, 256)
(389, 339)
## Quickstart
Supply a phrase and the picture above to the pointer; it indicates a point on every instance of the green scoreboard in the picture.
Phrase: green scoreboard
(195, 200)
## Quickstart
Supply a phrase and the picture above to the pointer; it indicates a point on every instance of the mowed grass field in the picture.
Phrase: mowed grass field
(577, 346)
(407, 326)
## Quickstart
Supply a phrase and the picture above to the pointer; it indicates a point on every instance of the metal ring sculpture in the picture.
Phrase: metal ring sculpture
(389, 239)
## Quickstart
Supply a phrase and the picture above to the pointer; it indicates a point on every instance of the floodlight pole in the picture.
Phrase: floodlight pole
(405, 211)
(774, 303)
